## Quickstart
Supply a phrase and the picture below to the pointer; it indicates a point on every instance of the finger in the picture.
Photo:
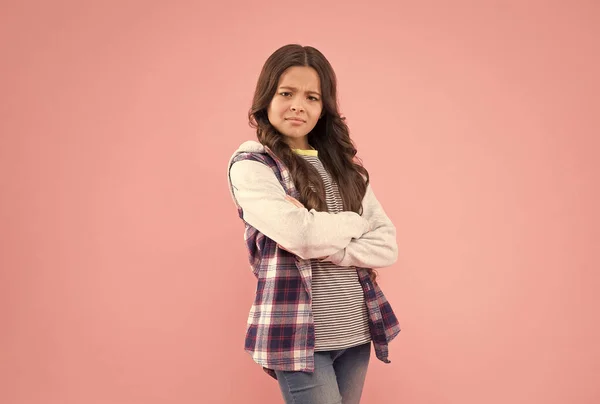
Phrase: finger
(294, 201)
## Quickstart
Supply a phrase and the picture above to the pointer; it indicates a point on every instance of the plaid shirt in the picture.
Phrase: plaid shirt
(280, 330)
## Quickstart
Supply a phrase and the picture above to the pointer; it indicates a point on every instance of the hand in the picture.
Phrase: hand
(294, 201)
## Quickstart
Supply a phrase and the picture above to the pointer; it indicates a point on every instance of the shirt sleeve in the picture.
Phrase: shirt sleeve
(305, 233)
(375, 249)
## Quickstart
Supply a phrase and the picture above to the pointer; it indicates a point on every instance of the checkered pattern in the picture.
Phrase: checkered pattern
(280, 331)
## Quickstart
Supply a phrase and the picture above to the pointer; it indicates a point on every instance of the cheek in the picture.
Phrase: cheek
(271, 111)
(276, 108)
(317, 112)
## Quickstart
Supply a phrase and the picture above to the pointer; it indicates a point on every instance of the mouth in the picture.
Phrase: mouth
(294, 119)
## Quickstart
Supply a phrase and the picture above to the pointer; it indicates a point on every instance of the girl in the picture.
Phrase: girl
(314, 230)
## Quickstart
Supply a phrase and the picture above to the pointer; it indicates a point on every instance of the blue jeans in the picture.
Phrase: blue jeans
(338, 378)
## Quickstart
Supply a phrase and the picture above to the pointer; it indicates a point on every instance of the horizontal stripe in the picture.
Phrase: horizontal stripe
(338, 303)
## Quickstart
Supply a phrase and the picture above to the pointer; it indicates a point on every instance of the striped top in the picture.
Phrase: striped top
(280, 331)
(338, 303)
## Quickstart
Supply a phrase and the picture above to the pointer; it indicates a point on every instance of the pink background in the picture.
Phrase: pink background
(124, 277)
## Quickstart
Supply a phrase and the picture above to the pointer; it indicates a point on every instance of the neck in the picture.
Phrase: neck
(307, 147)
(301, 143)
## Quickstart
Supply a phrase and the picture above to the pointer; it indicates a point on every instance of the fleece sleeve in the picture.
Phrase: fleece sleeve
(305, 233)
(375, 249)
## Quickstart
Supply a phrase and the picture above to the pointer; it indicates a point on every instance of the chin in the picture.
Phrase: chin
(294, 135)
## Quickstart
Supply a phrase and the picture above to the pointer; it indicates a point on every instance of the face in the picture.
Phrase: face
(296, 106)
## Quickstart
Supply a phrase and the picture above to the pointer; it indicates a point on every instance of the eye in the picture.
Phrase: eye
(285, 93)
(313, 98)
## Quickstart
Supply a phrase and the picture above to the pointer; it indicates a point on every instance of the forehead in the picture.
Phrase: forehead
(302, 77)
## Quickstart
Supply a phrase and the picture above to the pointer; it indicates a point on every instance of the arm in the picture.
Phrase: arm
(307, 234)
(376, 248)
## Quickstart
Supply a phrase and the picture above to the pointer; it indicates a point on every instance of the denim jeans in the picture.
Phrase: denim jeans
(338, 378)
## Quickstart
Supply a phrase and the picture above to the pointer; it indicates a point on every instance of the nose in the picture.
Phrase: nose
(297, 106)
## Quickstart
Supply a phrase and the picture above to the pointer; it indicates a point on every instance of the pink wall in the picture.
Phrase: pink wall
(124, 277)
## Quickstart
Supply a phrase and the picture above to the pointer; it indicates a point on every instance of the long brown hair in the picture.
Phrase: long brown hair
(330, 136)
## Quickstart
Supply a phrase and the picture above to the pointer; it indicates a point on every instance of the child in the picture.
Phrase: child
(314, 230)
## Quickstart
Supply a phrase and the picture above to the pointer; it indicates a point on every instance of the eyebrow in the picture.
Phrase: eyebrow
(295, 89)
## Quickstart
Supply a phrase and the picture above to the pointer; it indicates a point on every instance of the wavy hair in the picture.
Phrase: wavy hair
(330, 136)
